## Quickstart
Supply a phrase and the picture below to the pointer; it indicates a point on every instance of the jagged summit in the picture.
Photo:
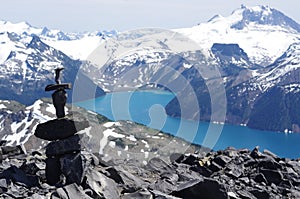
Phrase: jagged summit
(26, 29)
(257, 15)
(261, 31)
(263, 15)
(216, 17)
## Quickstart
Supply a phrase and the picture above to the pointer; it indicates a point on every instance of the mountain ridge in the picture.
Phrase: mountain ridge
(262, 42)
(264, 15)
(250, 60)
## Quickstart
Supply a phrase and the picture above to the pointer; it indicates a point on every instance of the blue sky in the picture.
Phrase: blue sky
(90, 15)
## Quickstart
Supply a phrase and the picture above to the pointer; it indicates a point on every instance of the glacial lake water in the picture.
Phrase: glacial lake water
(147, 107)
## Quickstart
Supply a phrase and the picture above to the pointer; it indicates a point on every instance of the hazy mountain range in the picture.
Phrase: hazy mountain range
(255, 50)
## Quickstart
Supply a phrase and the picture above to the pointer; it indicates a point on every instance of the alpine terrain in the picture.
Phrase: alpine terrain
(127, 160)
(254, 51)
(244, 67)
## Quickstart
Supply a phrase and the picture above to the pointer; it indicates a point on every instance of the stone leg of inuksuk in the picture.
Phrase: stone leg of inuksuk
(64, 158)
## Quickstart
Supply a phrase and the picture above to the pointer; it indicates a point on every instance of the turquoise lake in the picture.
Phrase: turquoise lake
(147, 107)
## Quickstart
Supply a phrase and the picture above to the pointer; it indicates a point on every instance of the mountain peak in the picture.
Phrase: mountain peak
(289, 58)
(263, 15)
(214, 18)
(14, 27)
(23, 29)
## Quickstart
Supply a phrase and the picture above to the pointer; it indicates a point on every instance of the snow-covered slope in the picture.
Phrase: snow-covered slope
(19, 28)
(262, 32)
(80, 48)
(75, 45)
(121, 139)
(28, 63)
(17, 125)
(78, 45)
(283, 71)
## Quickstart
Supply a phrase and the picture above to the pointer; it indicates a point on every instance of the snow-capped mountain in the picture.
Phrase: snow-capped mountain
(261, 31)
(27, 63)
(255, 50)
(283, 71)
(138, 58)
(75, 45)
(252, 94)
(276, 89)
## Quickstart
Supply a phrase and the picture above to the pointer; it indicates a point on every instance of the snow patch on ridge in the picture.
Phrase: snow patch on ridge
(22, 130)
(2, 106)
(104, 140)
(37, 114)
(77, 49)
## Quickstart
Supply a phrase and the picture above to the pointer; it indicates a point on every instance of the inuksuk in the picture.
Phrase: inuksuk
(65, 163)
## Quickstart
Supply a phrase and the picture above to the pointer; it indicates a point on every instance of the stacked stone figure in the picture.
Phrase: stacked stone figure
(64, 163)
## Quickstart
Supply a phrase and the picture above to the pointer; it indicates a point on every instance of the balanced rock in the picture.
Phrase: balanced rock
(59, 129)
(69, 145)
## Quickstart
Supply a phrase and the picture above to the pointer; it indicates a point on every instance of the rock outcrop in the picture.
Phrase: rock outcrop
(126, 160)
(230, 173)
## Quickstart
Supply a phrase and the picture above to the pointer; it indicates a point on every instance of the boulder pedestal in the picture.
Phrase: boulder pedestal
(65, 161)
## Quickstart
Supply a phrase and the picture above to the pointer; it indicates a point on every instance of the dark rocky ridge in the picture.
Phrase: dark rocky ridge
(230, 173)
(126, 160)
